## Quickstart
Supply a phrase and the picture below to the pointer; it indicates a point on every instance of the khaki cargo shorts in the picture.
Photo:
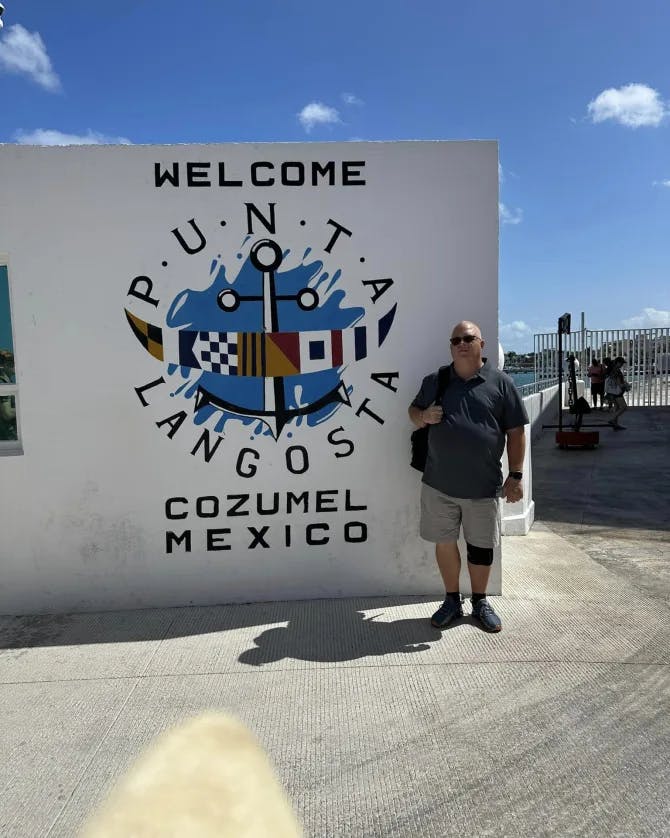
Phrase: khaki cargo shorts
(442, 517)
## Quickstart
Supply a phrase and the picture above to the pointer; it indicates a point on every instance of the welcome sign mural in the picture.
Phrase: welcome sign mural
(266, 343)
(272, 310)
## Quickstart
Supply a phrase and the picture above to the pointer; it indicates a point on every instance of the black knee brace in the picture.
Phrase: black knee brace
(480, 555)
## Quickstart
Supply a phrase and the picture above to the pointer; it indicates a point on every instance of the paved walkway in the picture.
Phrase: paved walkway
(614, 502)
(378, 724)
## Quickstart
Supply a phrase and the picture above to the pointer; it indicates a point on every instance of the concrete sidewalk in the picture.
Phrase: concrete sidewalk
(379, 725)
(614, 502)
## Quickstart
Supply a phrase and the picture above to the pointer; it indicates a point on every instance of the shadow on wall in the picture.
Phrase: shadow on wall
(316, 630)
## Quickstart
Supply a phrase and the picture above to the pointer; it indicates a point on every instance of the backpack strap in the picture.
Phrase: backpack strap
(443, 375)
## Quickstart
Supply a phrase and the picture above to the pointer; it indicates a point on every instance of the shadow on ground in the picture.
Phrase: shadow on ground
(316, 630)
(357, 637)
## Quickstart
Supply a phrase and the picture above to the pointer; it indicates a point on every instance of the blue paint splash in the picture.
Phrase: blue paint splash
(199, 310)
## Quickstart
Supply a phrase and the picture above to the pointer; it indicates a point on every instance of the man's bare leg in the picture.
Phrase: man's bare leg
(479, 577)
(449, 563)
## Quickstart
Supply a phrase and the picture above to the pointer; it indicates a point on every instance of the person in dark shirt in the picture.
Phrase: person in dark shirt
(462, 483)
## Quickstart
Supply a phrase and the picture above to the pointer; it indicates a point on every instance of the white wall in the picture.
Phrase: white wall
(83, 511)
(541, 407)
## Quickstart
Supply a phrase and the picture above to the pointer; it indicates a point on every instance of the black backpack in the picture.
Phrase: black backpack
(419, 438)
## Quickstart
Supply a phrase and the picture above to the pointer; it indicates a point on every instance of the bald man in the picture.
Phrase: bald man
(462, 483)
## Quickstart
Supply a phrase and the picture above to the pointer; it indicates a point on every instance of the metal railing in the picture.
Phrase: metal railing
(646, 352)
(536, 386)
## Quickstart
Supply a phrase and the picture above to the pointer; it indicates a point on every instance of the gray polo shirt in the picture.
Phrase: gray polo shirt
(465, 448)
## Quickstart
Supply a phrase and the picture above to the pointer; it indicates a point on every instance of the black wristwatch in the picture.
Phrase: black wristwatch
(516, 475)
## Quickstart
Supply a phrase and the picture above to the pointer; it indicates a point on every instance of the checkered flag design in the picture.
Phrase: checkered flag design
(217, 352)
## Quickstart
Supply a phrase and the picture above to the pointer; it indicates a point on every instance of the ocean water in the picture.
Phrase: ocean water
(520, 378)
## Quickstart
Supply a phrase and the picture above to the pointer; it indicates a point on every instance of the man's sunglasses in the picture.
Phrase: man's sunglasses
(465, 339)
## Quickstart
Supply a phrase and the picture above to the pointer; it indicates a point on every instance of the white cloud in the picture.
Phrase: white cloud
(48, 136)
(516, 329)
(648, 318)
(351, 99)
(632, 105)
(316, 113)
(516, 336)
(24, 52)
(509, 216)
(661, 183)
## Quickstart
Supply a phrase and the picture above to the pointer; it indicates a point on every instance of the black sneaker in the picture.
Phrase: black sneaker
(486, 616)
(451, 609)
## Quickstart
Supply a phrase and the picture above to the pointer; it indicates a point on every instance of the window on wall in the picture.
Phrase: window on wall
(9, 429)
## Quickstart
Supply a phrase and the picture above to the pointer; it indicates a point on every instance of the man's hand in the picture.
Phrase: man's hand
(512, 490)
(432, 415)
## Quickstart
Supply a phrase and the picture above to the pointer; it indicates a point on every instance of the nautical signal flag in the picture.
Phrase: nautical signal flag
(259, 354)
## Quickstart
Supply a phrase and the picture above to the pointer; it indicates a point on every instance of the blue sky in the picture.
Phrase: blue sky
(576, 93)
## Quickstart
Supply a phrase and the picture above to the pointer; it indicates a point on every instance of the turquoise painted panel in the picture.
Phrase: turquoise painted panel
(7, 374)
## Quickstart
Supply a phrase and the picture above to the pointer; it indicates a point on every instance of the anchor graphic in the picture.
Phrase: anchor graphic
(266, 256)
(270, 354)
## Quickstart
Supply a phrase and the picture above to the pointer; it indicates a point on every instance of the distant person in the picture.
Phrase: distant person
(596, 372)
(480, 410)
(615, 386)
(607, 363)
